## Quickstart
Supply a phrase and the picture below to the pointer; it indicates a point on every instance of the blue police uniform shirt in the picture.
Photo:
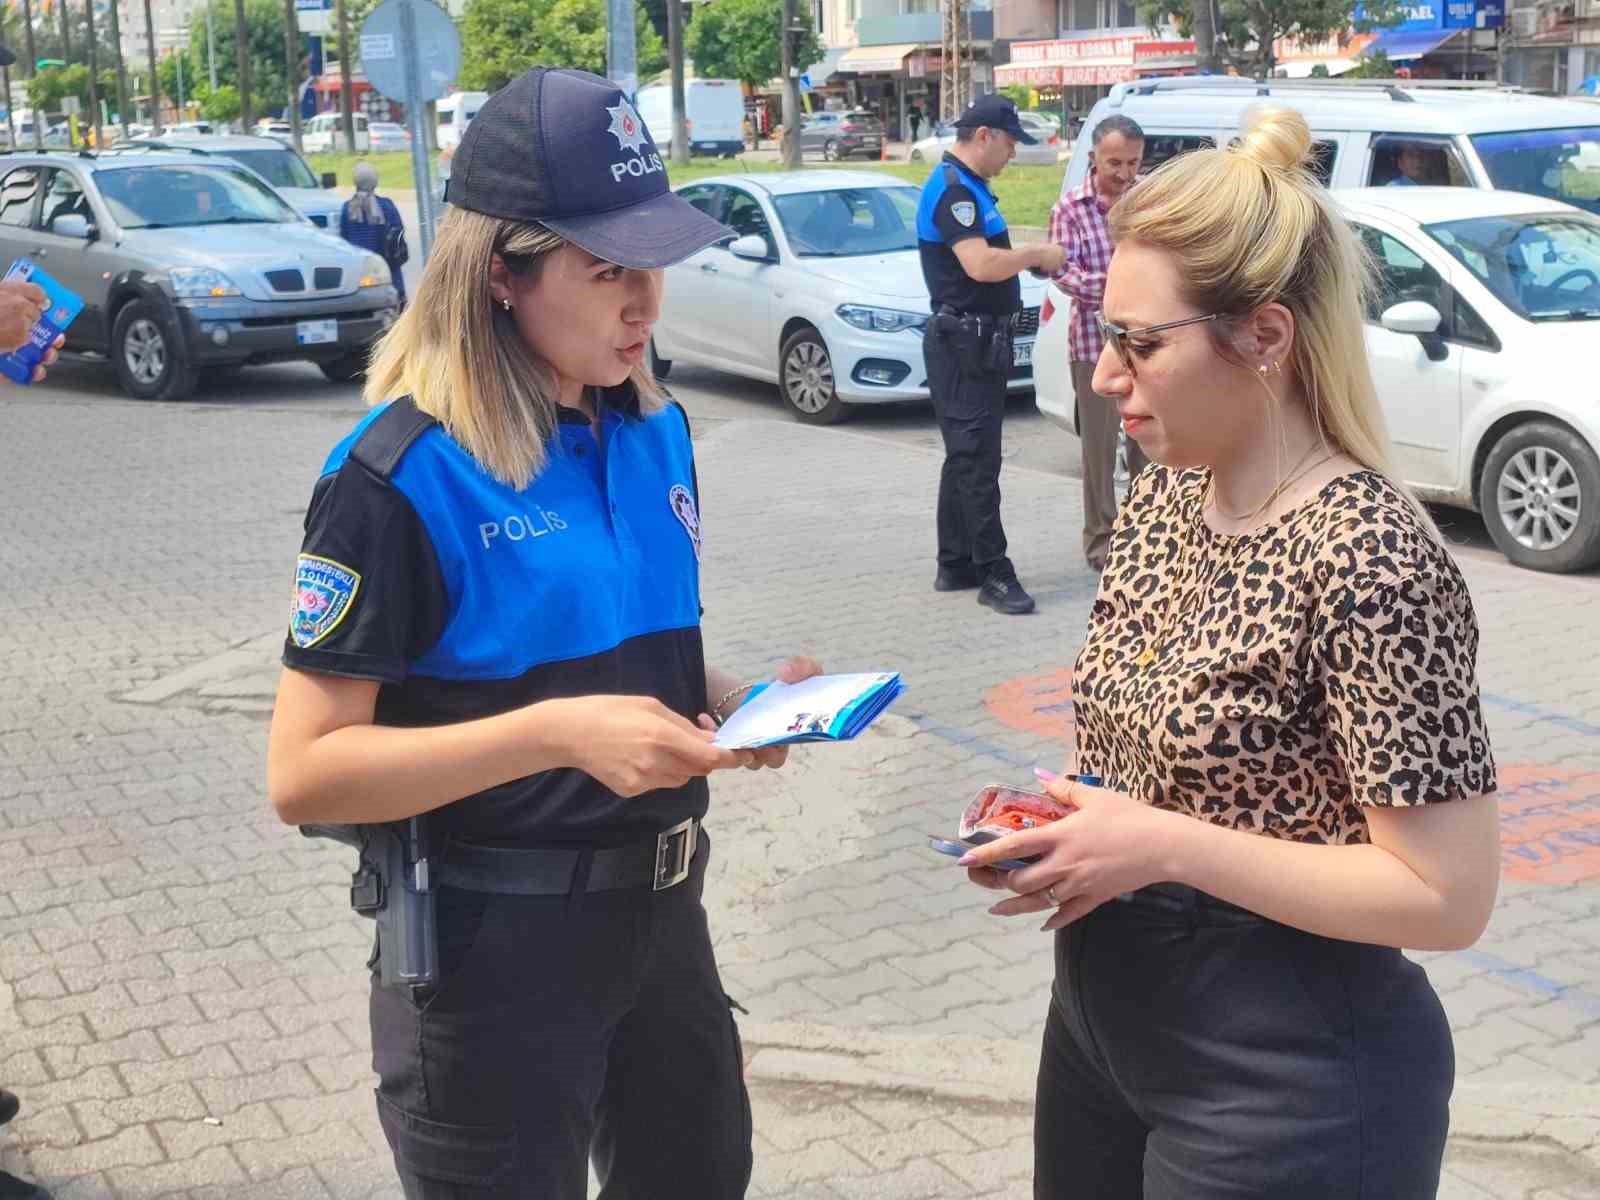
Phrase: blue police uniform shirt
(463, 598)
(950, 211)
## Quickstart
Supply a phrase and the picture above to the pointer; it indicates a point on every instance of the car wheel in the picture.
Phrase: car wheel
(659, 367)
(347, 369)
(150, 362)
(916, 156)
(830, 151)
(1540, 495)
(805, 373)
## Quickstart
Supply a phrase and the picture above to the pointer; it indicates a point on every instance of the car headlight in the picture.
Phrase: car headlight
(375, 273)
(196, 283)
(881, 320)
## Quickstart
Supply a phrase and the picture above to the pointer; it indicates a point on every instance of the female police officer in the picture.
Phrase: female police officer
(496, 623)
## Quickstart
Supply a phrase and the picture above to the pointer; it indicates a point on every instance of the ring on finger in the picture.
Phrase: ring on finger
(1050, 891)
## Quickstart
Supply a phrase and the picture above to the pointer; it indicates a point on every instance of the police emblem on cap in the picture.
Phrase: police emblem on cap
(683, 507)
(964, 211)
(323, 593)
(627, 127)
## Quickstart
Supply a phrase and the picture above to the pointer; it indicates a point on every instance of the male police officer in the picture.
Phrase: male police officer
(971, 271)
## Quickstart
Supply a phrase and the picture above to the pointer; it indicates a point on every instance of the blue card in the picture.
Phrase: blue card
(18, 366)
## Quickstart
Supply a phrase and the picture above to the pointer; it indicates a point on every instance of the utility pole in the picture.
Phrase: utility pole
(242, 36)
(952, 74)
(291, 68)
(346, 86)
(622, 48)
(1205, 38)
(66, 37)
(211, 49)
(791, 88)
(122, 68)
(155, 76)
(680, 133)
(94, 70)
(33, 67)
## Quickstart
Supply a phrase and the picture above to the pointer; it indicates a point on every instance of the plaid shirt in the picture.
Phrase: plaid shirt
(1078, 222)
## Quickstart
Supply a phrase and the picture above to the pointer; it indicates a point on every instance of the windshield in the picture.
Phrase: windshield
(1563, 164)
(850, 221)
(280, 168)
(170, 197)
(1543, 266)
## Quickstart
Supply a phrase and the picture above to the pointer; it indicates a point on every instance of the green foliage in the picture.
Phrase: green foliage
(1372, 66)
(1247, 29)
(47, 89)
(500, 39)
(738, 39)
(264, 20)
(220, 105)
(1019, 94)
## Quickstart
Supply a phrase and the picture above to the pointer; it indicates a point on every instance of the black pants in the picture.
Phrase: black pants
(1195, 1051)
(558, 1032)
(970, 409)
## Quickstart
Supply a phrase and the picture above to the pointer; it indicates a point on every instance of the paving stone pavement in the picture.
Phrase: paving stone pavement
(182, 1005)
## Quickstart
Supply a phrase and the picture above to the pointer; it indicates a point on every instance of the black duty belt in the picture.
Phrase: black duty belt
(657, 864)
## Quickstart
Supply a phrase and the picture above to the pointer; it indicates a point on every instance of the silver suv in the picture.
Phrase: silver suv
(279, 164)
(189, 263)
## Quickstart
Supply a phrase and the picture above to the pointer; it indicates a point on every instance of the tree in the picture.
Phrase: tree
(264, 31)
(737, 39)
(50, 87)
(1247, 30)
(220, 105)
(1372, 66)
(500, 39)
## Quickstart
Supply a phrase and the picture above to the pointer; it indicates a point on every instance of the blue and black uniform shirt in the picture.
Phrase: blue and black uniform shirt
(463, 597)
(957, 204)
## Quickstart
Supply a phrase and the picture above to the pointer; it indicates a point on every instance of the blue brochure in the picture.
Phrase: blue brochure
(825, 708)
(18, 366)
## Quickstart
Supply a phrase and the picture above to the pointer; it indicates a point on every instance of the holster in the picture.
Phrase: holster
(983, 343)
(391, 884)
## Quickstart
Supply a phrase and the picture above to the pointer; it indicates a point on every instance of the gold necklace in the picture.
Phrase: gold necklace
(1296, 472)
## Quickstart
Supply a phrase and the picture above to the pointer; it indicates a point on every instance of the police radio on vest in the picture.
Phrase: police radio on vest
(640, 167)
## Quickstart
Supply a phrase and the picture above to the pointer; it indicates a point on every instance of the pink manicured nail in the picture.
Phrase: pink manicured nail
(1046, 776)
(965, 860)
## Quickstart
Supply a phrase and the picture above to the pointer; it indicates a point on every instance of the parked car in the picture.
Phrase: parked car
(324, 133)
(386, 136)
(191, 263)
(279, 131)
(1480, 340)
(289, 174)
(713, 108)
(453, 114)
(837, 135)
(188, 129)
(1046, 152)
(820, 293)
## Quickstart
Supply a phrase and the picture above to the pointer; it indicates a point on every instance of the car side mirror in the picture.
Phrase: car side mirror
(1422, 319)
(752, 246)
(74, 225)
(329, 179)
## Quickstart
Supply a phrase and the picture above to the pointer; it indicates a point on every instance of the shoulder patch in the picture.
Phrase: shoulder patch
(323, 593)
(684, 508)
(964, 211)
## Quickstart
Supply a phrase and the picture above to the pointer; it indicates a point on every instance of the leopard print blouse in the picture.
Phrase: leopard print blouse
(1278, 681)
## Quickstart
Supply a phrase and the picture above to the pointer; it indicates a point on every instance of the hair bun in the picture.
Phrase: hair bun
(1274, 136)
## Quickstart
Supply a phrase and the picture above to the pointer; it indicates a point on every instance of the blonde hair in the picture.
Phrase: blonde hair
(1250, 225)
(463, 361)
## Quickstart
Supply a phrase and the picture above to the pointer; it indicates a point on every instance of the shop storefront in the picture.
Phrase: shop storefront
(1076, 72)
(888, 80)
(1444, 39)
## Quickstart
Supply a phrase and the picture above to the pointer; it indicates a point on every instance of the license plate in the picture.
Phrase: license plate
(1022, 354)
(316, 333)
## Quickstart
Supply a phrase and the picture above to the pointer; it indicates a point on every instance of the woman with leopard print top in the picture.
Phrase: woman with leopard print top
(1279, 687)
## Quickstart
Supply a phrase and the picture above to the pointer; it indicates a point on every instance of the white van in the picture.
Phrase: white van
(714, 109)
(455, 113)
(324, 133)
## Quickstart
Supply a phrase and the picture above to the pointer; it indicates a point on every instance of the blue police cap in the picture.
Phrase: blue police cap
(995, 112)
(566, 149)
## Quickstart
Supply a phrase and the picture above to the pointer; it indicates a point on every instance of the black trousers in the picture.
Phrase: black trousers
(1194, 1051)
(970, 410)
(562, 1030)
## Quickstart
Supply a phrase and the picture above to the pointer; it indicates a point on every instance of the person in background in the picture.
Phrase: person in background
(1411, 160)
(914, 116)
(369, 220)
(1078, 225)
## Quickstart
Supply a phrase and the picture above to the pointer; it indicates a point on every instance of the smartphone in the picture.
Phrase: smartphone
(957, 849)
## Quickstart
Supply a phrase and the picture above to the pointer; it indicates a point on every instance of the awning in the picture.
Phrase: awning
(819, 73)
(875, 60)
(1405, 45)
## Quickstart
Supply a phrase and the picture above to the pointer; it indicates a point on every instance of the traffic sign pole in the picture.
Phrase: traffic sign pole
(415, 110)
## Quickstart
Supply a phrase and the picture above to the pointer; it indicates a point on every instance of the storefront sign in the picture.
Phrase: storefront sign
(1060, 50)
(1144, 52)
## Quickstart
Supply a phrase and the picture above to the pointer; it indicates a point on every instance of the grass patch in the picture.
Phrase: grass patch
(1026, 194)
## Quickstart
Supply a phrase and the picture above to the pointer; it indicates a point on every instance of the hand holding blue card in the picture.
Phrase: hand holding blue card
(19, 365)
(824, 708)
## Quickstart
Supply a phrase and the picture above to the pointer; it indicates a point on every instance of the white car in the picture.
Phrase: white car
(1480, 344)
(1045, 153)
(387, 135)
(821, 293)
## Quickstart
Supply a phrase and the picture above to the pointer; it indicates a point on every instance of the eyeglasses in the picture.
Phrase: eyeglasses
(1118, 336)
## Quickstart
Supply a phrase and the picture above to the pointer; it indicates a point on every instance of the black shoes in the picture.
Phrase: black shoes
(955, 579)
(1005, 596)
(12, 1188)
(9, 1106)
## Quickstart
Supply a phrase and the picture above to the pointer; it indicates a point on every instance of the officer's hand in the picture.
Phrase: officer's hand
(1051, 258)
(797, 668)
(21, 305)
(636, 744)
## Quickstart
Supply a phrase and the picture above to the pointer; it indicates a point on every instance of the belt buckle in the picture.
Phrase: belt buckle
(674, 852)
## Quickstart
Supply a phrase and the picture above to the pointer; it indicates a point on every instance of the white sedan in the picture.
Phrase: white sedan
(1046, 152)
(1481, 341)
(821, 293)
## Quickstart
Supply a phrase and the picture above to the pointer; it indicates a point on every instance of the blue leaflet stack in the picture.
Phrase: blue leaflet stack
(19, 365)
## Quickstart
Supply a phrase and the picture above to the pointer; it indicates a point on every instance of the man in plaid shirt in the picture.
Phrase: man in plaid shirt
(1078, 225)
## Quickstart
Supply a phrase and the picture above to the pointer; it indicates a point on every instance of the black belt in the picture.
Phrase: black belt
(658, 864)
